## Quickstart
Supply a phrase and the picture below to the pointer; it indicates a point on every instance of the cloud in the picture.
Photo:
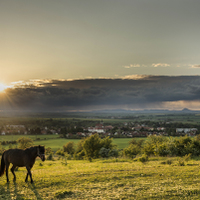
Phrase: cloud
(194, 66)
(160, 65)
(132, 92)
(132, 66)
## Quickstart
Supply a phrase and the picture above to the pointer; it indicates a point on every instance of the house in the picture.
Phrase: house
(189, 131)
(3, 133)
(15, 126)
(99, 128)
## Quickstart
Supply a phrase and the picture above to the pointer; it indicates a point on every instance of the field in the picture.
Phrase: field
(106, 179)
(55, 143)
(58, 143)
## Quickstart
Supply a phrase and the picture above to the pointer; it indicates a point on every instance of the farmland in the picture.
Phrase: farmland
(55, 143)
(106, 179)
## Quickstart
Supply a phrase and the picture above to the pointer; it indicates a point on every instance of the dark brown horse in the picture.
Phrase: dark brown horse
(21, 158)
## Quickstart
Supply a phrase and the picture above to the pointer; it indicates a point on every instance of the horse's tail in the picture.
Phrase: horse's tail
(2, 167)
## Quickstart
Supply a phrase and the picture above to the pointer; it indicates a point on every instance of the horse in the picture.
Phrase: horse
(21, 158)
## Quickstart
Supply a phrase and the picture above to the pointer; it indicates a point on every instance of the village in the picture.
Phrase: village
(127, 130)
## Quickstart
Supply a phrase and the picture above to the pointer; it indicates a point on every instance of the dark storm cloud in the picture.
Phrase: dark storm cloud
(97, 93)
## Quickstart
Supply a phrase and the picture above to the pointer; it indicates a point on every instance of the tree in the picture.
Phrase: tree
(107, 143)
(25, 142)
(79, 153)
(91, 146)
(134, 148)
(95, 147)
(69, 148)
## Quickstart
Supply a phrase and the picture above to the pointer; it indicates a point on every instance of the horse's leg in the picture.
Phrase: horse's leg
(7, 167)
(29, 173)
(26, 177)
(13, 172)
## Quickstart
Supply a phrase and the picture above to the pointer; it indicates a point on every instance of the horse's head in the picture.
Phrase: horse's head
(41, 152)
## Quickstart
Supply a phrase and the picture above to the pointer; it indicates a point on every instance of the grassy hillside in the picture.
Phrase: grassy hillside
(106, 179)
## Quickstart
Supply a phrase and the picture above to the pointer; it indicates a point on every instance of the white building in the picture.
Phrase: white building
(99, 128)
(186, 130)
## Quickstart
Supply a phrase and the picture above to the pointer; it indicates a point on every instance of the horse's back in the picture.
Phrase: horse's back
(15, 156)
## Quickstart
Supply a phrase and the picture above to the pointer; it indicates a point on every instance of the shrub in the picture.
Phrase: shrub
(181, 162)
(60, 152)
(48, 150)
(79, 152)
(25, 142)
(131, 151)
(69, 148)
(187, 157)
(91, 146)
(169, 162)
(107, 143)
(104, 153)
(134, 148)
(162, 149)
(151, 146)
(114, 153)
(144, 158)
(79, 155)
(139, 143)
(50, 156)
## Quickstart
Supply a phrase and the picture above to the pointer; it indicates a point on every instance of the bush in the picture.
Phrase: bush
(114, 153)
(183, 146)
(131, 151)
(181, 162)
(25, 142)
(69, 148)
(169, 162)
(79, 152)
(144, 158)
(60, 152)
(50, 156)
(92, 145)
(107, 143)
(134, 148)
(187, 157)
(48, 150)
(151, 146)
(162, 150)
(79, 155)
(104, 153)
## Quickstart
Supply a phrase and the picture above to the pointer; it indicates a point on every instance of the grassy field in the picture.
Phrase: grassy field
(58, 143)
(106, 179)
(33, 137)
(55, 143)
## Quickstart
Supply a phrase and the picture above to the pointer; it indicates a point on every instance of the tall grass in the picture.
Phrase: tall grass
(106, 179)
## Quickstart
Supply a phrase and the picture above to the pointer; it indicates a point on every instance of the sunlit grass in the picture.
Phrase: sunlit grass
(106, 179)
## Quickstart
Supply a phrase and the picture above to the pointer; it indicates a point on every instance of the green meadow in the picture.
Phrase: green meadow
(106, 179)
(55, 143)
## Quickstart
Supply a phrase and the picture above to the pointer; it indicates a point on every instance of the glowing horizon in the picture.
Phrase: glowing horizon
(3, 87)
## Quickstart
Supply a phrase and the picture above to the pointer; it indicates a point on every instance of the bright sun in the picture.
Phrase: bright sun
(2, 87)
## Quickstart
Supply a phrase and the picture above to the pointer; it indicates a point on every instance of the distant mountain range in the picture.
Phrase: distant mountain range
(97, 112)
(185, 110)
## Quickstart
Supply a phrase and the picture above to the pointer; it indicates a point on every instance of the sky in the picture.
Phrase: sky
(91, 55)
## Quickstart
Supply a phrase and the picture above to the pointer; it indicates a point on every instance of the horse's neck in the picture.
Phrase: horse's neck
(33, 152)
